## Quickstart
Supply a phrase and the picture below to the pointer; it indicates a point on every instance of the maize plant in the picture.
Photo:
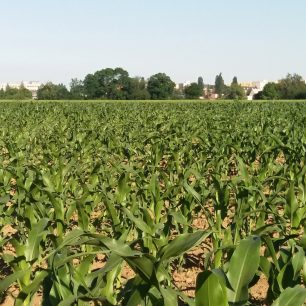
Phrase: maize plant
(152, 203)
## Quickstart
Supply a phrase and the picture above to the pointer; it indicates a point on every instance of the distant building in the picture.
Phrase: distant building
(246, 84)
(33, 86)
(179, 86)
(254, 84)
(252, 93)
(12, 85)
(252, 88)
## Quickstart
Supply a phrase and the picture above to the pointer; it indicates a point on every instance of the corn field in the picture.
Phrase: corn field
(91, 190)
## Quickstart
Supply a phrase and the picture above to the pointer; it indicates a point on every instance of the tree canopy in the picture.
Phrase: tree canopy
(291, 87)
(201, 82)
(137, 89)
(193, 91)
(270, 91)
(107, 84)
(116, 84)
(51, 91)
(219, 85)
(235, 92)
(11, 93)
(160, 86)
(235, 81)
(77, 89)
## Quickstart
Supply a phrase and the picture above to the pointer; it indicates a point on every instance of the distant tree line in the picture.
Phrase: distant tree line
(111, 84)
(116, 84)
(11, 93)
(291, 87)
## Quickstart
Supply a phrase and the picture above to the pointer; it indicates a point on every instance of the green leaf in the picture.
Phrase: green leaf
(179, 245)
(292, 204)
(272, 251)
(116, 246)
(298, 262)
(265, 266)
(28, 183)
(210, 289)
(48, 182)
(144, 266)
(35, 237)
(191, 191)
(123, 188)
(242, 268)
(139, 292)
(4, 199)
(9, 280)
(138, 222)
(36, 282)
(179, 217)
(70, 238)
(169, 296)
(244, 171)
(295, 296)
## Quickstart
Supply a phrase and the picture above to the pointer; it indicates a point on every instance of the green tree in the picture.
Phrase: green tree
(20, 93)
(46, 92)
(219, 85)
(235, 92)
(235, 81)
(62, 92)
(91, 87)
(11, 93)
(271, 91)
(201, 82)
(76, 89)
(51, 91)
(160, 86)
(292, 87)
(107, 84)
(193, 91)
(137, 89)
(24, 93)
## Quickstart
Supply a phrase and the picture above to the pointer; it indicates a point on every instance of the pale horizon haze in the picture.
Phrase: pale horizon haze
(59, 40)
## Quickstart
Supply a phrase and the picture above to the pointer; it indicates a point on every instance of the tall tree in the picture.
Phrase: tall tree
(62, 92)
(270, 91)
(137, 89)
(91, 87)
(219, 84)
(76, 89)
(23, 93)
(51, 91)
(235, 80)
(107, 84)
(201, 82)
(11, 93)
(160, 86)
(193, 91)
(292, 87)
(235, 92)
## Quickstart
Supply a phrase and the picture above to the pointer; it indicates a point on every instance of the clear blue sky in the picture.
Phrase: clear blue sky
(60, 39)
